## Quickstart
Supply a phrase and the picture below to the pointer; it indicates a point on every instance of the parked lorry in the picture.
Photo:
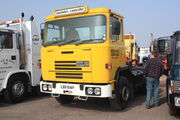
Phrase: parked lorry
(173, 81)
(83, 56)
(131, 49)
(19, 55)
(162, 45)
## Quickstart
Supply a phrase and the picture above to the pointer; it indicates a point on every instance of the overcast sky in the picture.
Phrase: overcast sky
(142, 17)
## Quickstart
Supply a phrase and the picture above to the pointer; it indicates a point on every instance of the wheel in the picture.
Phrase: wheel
(16, 90)
(173, 110)
(122, 94)
(64, 99)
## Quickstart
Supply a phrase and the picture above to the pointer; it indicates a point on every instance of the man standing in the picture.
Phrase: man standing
(153, 70)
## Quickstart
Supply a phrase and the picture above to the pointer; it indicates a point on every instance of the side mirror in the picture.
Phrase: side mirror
(42, 31)
(116, 28)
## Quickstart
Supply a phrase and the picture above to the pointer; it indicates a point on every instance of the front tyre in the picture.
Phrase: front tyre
(16, 90)
(65, 99)
(122, 94)
(173, 110)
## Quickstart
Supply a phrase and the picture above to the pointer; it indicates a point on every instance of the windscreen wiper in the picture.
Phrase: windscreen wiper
(60, 42)
(86, 41)
(52, 43)
(67, 42)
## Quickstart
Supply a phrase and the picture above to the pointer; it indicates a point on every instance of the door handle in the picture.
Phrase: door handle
(13, 57)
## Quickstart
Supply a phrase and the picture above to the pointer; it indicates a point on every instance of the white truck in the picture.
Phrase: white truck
(19, 59)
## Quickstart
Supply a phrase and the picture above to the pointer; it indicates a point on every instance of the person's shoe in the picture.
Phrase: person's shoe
(148, 107)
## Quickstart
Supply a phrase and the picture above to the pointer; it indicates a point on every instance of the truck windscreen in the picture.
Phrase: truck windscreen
(177, 51)
(164, 46)
(161, 46)
(79, 30)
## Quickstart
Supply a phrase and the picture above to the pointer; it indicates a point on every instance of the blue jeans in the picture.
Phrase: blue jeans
(152, 84)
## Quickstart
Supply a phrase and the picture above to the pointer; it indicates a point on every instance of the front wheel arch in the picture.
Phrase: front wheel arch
(126, 72)
(24, 73)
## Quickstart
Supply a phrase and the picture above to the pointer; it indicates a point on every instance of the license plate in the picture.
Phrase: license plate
(67, 87)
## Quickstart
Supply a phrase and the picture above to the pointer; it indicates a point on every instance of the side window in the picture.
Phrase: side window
(121, 30)
(6, 40)
(113, 37)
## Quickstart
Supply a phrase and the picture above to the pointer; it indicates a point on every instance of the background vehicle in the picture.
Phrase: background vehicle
(19, 56)
(173, 82)
(131, 49)
(86, 57)
(144, 53)
(162, 45)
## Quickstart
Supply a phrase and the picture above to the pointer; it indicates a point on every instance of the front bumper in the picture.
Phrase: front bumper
(76, 89)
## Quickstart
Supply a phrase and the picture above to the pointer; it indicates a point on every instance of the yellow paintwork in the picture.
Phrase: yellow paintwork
(97, 54)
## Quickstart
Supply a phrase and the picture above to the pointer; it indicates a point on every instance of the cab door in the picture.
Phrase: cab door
(8, 54)
(117, 48)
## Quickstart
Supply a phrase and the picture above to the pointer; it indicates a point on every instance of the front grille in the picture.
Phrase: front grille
(66, 65)
(67, 70)
(65, 61)
(177, 86)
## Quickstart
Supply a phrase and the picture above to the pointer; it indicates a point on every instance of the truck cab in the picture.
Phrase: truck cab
(8, 51)
(83, 55)
(19, 55)
(173, 82)
(163, 46)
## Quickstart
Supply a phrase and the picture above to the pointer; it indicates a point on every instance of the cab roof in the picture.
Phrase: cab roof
(88, 12)
(7, 28)
(177, 32)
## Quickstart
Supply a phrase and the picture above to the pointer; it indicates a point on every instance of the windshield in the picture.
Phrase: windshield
(81, 30)
(177, 50)
(164, 46)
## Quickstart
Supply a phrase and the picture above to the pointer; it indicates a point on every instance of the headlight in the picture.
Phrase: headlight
(97, 91)
(49, 88)
(93, 91)
(90, 91)
(44, 87)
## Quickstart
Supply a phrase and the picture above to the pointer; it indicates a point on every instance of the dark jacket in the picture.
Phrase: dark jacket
(154, 68)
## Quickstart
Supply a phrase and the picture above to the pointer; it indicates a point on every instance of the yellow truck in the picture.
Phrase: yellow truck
(131, 49)
(130, 46)
(83, 55)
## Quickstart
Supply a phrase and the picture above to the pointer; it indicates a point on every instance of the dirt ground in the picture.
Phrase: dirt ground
(46, 108)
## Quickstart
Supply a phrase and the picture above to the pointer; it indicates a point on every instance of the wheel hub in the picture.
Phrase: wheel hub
(18, 89)
(125, 93)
